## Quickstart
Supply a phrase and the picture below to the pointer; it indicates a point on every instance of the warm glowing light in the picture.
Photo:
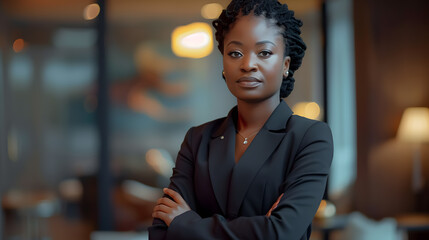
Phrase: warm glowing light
(307, 109)
(326, 209)
(91, 11)
(18, 45)
(160, 161)
(211, 10)
(414, 126)
(193, 41)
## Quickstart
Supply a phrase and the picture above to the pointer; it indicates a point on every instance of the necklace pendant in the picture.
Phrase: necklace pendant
(245, 141)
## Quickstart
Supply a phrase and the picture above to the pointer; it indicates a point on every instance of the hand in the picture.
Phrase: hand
(274, 206)
(167, 209)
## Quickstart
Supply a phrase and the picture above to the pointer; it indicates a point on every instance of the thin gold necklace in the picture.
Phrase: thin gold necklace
(245, 138)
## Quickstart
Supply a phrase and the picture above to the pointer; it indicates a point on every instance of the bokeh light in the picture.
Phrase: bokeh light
(91, 11)
(18, 45)
(307, 109)
(193, 41)
(211, 10)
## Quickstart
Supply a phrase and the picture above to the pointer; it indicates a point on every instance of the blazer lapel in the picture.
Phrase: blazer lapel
(262, 146)
(221, 159)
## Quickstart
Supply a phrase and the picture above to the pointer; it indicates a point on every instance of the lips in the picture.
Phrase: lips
(248, 82)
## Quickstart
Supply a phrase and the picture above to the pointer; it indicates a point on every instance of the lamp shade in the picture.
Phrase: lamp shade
(414, 126)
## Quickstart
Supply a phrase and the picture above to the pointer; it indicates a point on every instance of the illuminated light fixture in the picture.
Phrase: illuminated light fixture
(91, 11)
(414, 126)
(414, 129)
(195, 40)
(307, 109)
(18, 45)
(211, 10)
(192, 41)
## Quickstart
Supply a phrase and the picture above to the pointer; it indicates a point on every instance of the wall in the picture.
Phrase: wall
(391, 74)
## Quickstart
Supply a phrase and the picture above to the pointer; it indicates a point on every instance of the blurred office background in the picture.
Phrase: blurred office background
(95, 102)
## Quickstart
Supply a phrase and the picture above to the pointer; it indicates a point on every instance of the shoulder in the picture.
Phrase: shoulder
(308, 129)
(312, 144)
(301, 124)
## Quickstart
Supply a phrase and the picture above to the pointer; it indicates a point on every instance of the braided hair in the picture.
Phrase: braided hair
(284, 18)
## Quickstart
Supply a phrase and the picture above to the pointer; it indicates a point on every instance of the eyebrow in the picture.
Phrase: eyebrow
(258, 43)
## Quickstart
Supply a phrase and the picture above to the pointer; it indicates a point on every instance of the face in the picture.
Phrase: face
(253, 59)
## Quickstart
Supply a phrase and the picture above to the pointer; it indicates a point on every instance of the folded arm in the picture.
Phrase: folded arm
(303, 190)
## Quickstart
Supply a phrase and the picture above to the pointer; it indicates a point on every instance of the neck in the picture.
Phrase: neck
(252, 116)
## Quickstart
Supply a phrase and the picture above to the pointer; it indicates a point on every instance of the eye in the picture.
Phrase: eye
(235, 54)
(265, 54)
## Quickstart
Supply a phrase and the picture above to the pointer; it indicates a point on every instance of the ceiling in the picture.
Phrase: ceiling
(118, 11)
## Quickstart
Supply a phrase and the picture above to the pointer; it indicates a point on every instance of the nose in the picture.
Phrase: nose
(248, 63)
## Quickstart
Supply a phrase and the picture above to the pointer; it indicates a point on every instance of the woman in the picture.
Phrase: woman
(260, 172)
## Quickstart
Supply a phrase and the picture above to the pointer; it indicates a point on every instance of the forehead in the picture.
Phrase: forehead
(252, 27)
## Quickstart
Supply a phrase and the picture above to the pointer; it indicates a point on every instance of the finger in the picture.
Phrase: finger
(163, 216)
(271, 210)
(277, 202)
(162, 208)
(176, 196)
(166, 201)
(280, 197)
(274, 205)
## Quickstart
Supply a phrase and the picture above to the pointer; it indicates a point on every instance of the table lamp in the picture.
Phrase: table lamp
(414, 128)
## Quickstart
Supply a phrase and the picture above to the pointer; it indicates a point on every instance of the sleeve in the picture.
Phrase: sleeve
(303, 190)
(181, 182)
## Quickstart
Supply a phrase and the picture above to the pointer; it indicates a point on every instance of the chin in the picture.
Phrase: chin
(255, 99)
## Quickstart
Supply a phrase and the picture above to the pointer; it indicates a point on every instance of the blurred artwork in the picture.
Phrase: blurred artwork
(144, 92)
(157, 90)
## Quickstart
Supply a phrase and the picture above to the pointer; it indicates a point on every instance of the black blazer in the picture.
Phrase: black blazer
(290, 155)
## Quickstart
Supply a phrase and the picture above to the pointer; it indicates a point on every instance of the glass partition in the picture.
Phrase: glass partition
(50, 142)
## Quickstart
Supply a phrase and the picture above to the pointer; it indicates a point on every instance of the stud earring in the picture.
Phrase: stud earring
(286, 73)
(223, 74)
